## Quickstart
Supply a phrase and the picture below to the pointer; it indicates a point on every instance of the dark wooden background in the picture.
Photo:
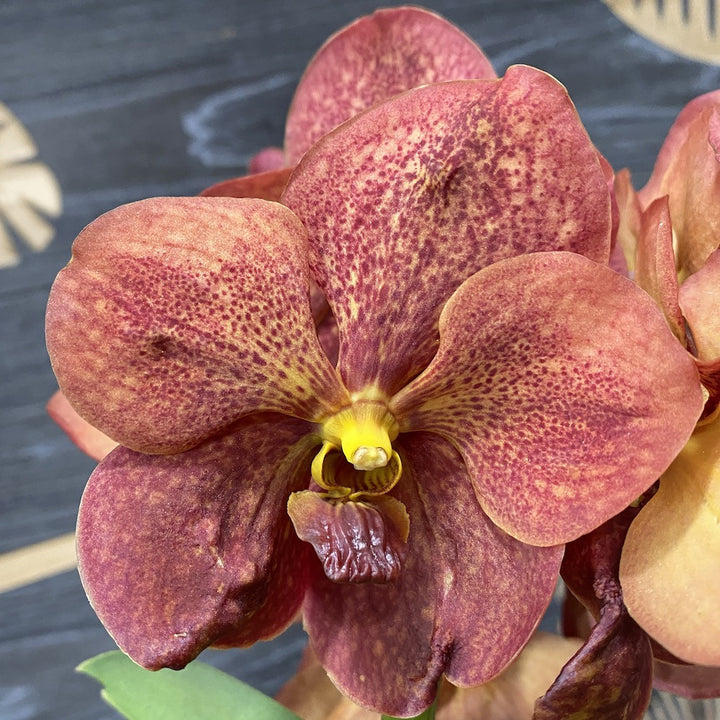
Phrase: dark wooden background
(133, 99)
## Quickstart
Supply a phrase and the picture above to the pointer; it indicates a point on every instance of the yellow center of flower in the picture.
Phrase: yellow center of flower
(363, 432)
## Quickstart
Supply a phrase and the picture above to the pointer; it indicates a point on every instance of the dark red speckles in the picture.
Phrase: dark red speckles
(425, 190)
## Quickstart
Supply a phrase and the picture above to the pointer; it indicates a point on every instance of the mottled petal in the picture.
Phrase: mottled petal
(372, 59)
(176, 552)
(177, 316)
(564, 389)
(467, 600)
(700, 302)
(267, 185)
(407, 200)
(655, 264)
(669, 568)
(687, 169)
(89, 439)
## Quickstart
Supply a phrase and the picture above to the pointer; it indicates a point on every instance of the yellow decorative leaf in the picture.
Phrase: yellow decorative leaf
(29, 192)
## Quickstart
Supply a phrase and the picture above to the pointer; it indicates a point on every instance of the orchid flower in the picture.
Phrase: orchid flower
(498, 392)
(670, 558)
(370, 60)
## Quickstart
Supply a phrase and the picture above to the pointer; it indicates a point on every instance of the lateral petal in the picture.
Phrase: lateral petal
(564, 389)
(407, 200)
(465, 603)
(177, 316)
(178, 552)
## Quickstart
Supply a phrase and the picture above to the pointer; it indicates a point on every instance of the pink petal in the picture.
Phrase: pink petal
(687, 169)
(467, 599)
(630, 213)
(177, 316)
(371, 60)
(655, 264)
(177, 552)
(268, 159)
(89, 439)
(409, 199)
(562, 386)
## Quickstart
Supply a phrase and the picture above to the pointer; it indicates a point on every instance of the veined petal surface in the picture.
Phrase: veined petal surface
(177, 316)
(178, 552)
(564, 389)
(407, 200)
(669, 566)
(372, 59)
(466, 601)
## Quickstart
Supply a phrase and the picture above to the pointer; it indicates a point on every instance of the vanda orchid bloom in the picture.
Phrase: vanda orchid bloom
(498, 392)
(670, 560)
(373, 58)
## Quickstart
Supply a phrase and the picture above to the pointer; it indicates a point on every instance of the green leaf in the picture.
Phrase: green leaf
(429, 714)
(199, 691)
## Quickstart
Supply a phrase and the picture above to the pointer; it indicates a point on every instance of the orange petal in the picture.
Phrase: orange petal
(669, 567)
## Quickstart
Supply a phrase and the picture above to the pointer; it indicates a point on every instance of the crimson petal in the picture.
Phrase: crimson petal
(179, 552)
(467, 599)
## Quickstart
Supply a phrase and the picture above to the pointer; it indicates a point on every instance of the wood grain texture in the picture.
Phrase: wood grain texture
(140, 98)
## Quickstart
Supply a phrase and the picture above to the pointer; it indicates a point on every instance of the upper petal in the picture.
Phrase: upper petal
(688, 170)
(700, 302)
(562, 386)
(405, 201)
(176, 316)
(669, 567)
(466, 601)
(266, 185)
(372, 59)
(177, 552)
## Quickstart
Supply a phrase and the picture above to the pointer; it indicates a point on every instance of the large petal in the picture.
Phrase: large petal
(688, 170)
(176, 316)
(407, 200)
(372, 59)
(564, 389)
(177, 552)
(467, 599)
(669, 568)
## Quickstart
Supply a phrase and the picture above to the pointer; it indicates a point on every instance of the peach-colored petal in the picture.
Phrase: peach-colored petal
(562, 386)
(267, 185)
(700, 301)
(407, 200)
(629, 210)
(669, 568)
(177, 316)
(89, 439)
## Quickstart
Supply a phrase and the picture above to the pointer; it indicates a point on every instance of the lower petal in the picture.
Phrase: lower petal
(178, 552)
(467, 599)
(669, 567)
